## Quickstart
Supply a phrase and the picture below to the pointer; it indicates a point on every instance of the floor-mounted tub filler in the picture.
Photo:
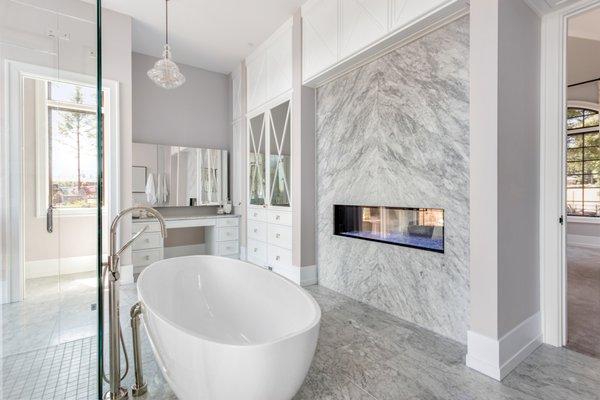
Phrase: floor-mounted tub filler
(225, 329)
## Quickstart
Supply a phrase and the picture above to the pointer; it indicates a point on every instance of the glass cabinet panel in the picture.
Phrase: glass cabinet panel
(279, 157)
(256, 159)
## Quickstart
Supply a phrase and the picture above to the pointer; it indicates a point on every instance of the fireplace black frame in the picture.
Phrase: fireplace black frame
(336, 231)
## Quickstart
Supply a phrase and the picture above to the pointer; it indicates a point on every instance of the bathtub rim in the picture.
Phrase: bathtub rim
(315, 321)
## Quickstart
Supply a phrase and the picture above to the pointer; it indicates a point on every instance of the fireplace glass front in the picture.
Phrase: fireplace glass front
(421, 228)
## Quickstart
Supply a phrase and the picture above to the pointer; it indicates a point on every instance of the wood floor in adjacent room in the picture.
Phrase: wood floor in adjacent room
(583, 300)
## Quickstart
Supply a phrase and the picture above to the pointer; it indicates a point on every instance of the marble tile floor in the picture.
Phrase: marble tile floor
(364, 353)
(583, 300)
(54, 312)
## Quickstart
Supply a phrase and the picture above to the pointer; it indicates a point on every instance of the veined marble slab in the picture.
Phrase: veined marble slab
(395, 132)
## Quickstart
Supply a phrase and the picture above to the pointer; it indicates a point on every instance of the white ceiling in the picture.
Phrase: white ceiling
(211, 34)
(586, 25)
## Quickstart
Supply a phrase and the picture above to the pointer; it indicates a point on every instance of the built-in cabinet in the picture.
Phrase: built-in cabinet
(334, 31)
(270, 187)
(221, 238)
(269, 68)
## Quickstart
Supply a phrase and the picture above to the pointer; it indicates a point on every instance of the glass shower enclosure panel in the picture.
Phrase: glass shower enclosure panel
(52, 103)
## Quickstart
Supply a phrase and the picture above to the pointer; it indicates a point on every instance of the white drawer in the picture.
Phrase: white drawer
(279, 257)
(228, 233)
(280, 217)
(257, 252)
(153, 226)
(146, 257)
(280, 235)
(257, 214)
(257, 230)
(228, 248)
(228, 221)
(148, 240)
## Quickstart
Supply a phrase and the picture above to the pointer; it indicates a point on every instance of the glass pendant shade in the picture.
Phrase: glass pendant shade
(165, 72)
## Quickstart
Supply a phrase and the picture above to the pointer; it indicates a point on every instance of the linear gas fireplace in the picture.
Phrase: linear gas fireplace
(421, 228)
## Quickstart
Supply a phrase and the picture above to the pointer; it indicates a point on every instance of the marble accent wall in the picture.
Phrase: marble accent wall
(395, 132)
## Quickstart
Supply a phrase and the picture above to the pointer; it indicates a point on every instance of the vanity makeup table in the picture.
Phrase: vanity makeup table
(221, 235)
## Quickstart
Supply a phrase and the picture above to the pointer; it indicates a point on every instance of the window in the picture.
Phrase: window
(67, 148)
(583, 162)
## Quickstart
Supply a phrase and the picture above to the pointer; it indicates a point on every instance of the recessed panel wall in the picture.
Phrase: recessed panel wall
(395, 133)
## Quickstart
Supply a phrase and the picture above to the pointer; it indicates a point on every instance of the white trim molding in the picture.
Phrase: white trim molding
(60, 266)
(552, 172)
(308, 275)
(496, 358)
(126, 274)
(303, 276)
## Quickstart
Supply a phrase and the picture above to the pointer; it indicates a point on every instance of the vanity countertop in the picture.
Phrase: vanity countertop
(188, 217)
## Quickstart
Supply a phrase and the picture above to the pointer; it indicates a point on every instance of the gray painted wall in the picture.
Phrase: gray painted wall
(396, 132)
(116, 65)
(518, 164)
(196, 114)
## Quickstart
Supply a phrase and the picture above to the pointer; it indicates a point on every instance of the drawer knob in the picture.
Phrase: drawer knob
(277, 258)
(255, 214)
(147, 257)
(255, 249)
(147, 240)
(255, 230)
(277, 235)
(277, 217)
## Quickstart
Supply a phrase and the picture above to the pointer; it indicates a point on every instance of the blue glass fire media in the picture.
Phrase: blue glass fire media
(421, 228)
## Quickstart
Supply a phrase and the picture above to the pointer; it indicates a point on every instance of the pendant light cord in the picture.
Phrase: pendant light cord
(167, 22)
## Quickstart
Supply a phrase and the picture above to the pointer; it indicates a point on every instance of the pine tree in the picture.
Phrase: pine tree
(76, 126)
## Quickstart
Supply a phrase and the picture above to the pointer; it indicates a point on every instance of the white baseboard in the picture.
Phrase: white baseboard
(126, 274)
(308, 275)
(583, 241)
(62, 266)
(497, 358)
(304, 276)
(5, 291)
(182, 251)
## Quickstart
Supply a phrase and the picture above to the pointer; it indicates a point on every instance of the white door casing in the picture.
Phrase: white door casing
(553, 101)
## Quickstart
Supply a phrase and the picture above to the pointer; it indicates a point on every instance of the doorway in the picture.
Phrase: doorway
(569, 180)
(583, 183)
(60, 189)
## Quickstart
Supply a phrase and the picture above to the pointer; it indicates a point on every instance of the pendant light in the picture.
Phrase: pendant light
(165, 72)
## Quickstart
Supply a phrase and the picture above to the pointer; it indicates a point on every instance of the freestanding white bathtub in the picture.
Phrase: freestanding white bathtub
(226, 329)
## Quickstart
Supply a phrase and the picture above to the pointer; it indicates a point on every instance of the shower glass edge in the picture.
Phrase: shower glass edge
(100, 194)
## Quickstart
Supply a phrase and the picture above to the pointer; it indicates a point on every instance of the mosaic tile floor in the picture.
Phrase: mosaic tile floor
(65, 371)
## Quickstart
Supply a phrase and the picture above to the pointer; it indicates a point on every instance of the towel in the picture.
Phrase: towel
(165, 189)
(159, 188)
(162, 192)
(150, 191)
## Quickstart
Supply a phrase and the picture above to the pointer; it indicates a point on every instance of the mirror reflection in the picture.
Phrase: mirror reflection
(179, 176)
